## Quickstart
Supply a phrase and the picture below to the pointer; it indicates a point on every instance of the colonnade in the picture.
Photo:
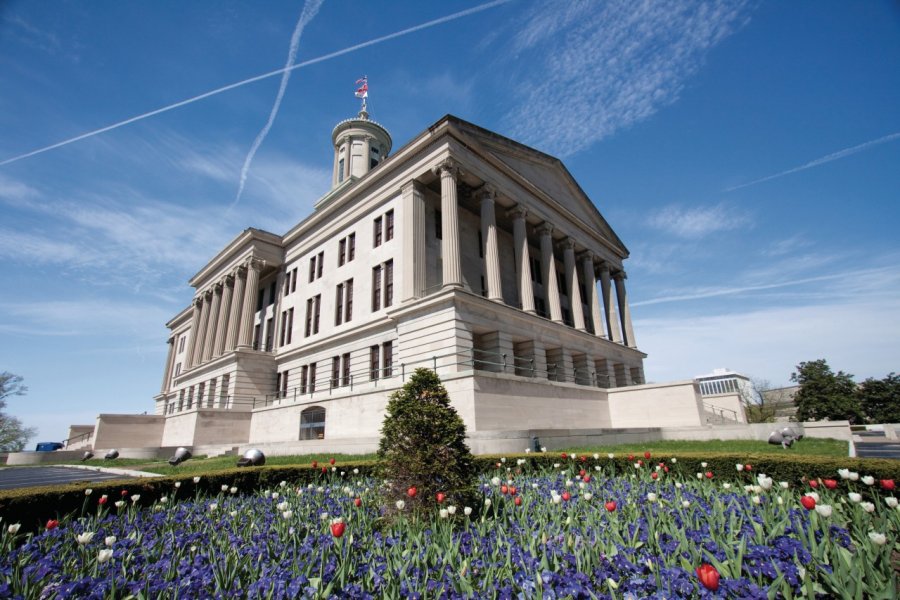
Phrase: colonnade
(609, 313)
(223, 314)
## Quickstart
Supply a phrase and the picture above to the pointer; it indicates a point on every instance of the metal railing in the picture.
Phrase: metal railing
(77, 439)
(721, 412)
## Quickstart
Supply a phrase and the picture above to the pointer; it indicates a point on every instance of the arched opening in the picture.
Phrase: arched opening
(312, 423)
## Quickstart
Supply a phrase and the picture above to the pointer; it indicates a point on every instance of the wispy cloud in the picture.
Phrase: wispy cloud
(597, 68)
(821, 161)
(697, 222)
(90, 317)
(310, 10)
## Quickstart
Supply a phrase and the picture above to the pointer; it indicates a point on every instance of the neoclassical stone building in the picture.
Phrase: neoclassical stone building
(464, 252)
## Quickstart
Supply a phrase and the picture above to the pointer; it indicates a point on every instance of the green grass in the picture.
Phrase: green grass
(807, 447)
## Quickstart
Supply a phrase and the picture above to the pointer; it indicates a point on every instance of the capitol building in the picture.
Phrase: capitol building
(464, 252)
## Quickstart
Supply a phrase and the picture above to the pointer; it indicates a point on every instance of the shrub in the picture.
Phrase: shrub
(423, 446)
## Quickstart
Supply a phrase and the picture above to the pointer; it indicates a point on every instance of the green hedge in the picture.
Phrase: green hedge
(32, 507)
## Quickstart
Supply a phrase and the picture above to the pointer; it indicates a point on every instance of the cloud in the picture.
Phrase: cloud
(594, 69)
(698, 222)
(84, 318)
(821, 161)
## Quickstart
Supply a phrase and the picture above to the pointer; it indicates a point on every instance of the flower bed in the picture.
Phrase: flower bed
(578, 529)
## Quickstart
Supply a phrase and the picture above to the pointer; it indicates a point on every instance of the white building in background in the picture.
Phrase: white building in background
(464, 252)
(724, 394)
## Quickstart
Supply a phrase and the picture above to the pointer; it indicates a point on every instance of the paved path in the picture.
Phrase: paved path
(23, 477)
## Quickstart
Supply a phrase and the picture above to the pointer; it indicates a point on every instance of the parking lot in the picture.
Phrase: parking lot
(23, 477)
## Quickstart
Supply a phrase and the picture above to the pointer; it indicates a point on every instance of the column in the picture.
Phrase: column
(234, 319)
(212, 324)
(201, 331)
(572, 284)
(523, 259)
(168, 369)
(491, 250)
(224, 314)
(349, 158)
(254, 266)
(367, 153)
(195, 326)
(612, 319)
(548, 275)
(624, 311)
(334, 170)
(413, 232)
(452, 270)
(590, 288)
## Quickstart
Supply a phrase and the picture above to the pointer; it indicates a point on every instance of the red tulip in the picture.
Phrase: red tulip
(887, 484)
(665, 468)
(640, 463)
(813, 483)
(337, 529)
(503, 489)
(315, 464)
(709, 474)
(440, 497)
(631, 457)
(647, 455)
(123, 493)
(830, 483)
(324, 470)
(357, 502)
(331, 461)
(498, 465)
(586, 478)
(411, 492)
(518, 501)
(52, 524)
(564, 455)
(611, 506)
(512, 490)
(582, 472)
(808, 502)
(654, 475)
(708, 576)
(583, 458)
(566, 496)
(102, 500)
(748, 467)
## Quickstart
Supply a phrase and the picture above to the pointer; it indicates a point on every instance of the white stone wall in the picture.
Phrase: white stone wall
(675, 404)
(128, 431)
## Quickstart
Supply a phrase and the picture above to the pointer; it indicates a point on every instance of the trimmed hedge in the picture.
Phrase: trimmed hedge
(32, 507)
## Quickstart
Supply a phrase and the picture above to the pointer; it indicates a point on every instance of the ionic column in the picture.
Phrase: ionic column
(523, 259)
(224, 314)
(590, 288)
(212, 324)
(168, 369)
(413, 199)
(452, 270)
(548, 275)
(624, 310)
(572, 284)
(612, 319)
(204, 324)
(195, 327)
(491, 251)
(234, 319)
(254, 266)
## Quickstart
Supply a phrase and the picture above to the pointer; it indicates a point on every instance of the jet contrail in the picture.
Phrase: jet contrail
(819, 161)
(231, 86)
(310, 9)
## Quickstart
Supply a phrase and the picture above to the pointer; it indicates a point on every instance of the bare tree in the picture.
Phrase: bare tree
(13, 434)
(761, 400)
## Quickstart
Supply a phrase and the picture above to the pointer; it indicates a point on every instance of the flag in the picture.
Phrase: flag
(363, 90)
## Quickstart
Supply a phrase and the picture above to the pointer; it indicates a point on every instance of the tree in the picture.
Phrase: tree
(880, 399)
(760, 401)
(825, 395)
(423, 446)
(13, 434)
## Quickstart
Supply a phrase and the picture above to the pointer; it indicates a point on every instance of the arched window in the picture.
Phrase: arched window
(312, 423)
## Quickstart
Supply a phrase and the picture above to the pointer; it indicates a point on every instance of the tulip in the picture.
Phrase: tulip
(709, 474)
(854, 497)
(324, 470)
(868, 480)
(120, 504)
(487, 502)
(703, 465)
(739, 468)
(813, 483)
(647, 455)
(631, 457)
(467, 511)
(685, 504)
(357, 502)
(784, 485)
(651, 497)
(196, 480)
(654, 475)
(879, 539)
(104, 555)
(891, 502)
(708, 576)
(518, 501)
(564, 456)
(867, 506)
(808, 502)
(213, 506)
(337, 529)
(177, 484)
(400, 504)
(844, 473)
(566, 496)
(813, 495)
(854, 476)
(678, 485)
(764, 482)
(887, 484)
(755, 499)
(440, 497)
(315, 464)
(123, 493)
(88, 492)
(84, 538)
(102, 500)
(287, 514)
(587, 495)
(503, 489)
(109, 540)
(824, 510)
(512, 490)
(443, 513)
(610, 506)
(331, 461)
(411, 492)
(830, 483)
(52, 524)
(14, 528)
(135, 497)
(587, 478)
(451, 509)
(748, 467)
(610, 456)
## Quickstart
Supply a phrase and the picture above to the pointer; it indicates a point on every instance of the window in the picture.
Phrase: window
(272, 293)
(348, 300)
(335, 371)
(389, 225)
(351, 247)
(373, 363)
(181, 401)
(536, 270)
(177, 369)
(212, 393)
(342, 252)
(270, 325)
(181, 343)
(345, 370)
(290, 325)
(376, 288)
(373, 162)
(309, 316)
(304, 375)
(339, 305)
(312, 423)
(260, 298)
(256, 336)
(340, 170)
(283, 384)
(316, 306)
(283, 333)
(312, 315)
(376, 232)
(223, 393)
(321, 263)
(387, 358)
(312, 268)
(438, 225)
(287, 284)
(294, 280)
(312, 378)
(388, 283)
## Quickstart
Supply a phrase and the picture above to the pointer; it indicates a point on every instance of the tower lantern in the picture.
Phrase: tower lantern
(360, 144)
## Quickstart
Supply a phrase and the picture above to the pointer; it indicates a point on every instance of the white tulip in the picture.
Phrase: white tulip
(443, 512)
(135, 497)
(596, 456)
(784, 485)
(703, 464)
(611, 456)
(495, 481)
(233, 490)
(587, 495)
(755, 499)
(739, 467)
(651, 497)
(196, 480)
(88, 492)
(854, 497)
(891, 502)
(109, 540)
(120, 504)
(467, 511)
(867, 506)
(84, 538)
(823, 509)
(678, 485)
(400, 504)
(487, 502)
(323, 516)
(177, 484)
(104, 555)
(813, 495)
(213, 506)
(287, 514)
(685, 504)
(224, 487)
(868, 480)
(844, 473)
(726, 486)
(854, 476)
(699, 475)
(14, 528)
(765, 482)
(779, 500)
(282, 506)
(451, 509)
(673, 460)
(879, 539)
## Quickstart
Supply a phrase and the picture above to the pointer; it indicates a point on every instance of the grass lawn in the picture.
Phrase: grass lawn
(818, 447)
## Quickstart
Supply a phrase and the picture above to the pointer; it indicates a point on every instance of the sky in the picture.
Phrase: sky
(747, 153)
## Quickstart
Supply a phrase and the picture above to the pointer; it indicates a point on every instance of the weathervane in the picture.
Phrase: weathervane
(363, 92)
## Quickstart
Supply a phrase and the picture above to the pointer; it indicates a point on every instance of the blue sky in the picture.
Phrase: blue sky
(748, 154)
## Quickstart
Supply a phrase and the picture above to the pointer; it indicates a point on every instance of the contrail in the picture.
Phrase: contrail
(231, 86)
(310, 9)
(819, 161)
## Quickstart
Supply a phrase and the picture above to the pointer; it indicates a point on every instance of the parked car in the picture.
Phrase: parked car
(48, 446)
